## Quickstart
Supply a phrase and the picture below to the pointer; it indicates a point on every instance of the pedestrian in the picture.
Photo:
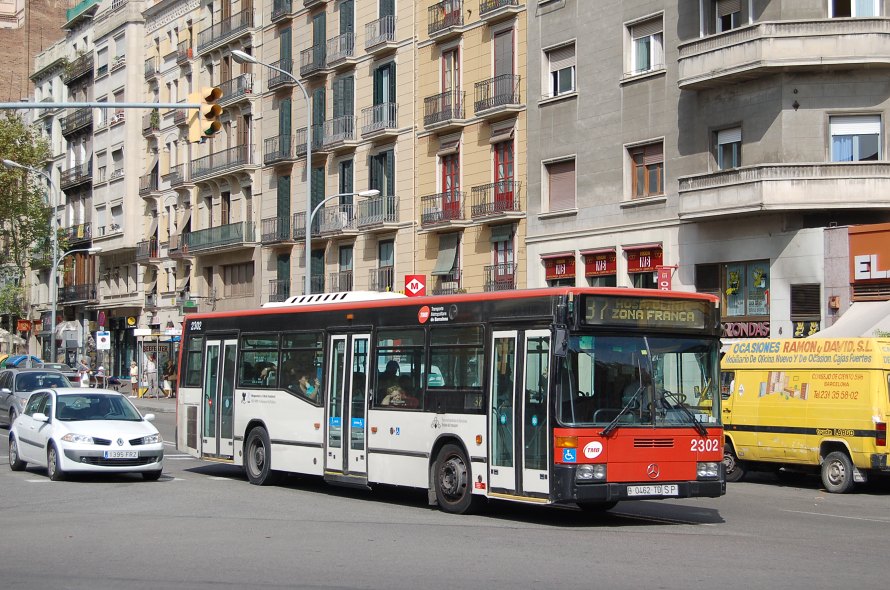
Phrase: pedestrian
(151, 377)
(134, 379)
(83, 373)
(170, 379)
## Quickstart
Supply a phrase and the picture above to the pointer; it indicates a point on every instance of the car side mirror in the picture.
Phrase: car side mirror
(5, 390)
(41, 417)
(149, 417)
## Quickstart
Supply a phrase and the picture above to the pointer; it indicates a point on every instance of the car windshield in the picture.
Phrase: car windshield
(638, 380)
(95, 406)
(37, 380)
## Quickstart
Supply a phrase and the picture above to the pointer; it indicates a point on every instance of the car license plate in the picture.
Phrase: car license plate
(121, 454)
(653, 490)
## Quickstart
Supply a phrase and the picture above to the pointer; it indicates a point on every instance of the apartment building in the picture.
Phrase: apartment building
(713, 139)
(471, 145)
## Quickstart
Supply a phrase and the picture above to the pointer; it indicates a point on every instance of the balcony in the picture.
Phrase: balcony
(78, 68)
(298, 222)
(318, 146)
(380, 35)
(279, 149)
(492, 11)
(498, 97)
(117, 118)
(341, 51)
(444, 111)
(178, 176)
(79, 234)
(382, 279)
(766, 48)
(152, 67)
(118, 62)
(184, 52)
(447, 284)
(443, 209)
(223, 237)
(178, 246)
(151, 122)
(380, 121)
(339, 134)
(148, 184)
(378, 214)
(79, 119)
(147, 250)
(79, 293)
(279, 290)
(336, 220)
(240, 88)
(227, 30)
(500, 277)
(280, 9)
(445, 19)
(341, 282)
(276, 230)
(785, 187)
(312, 61)
(151, 301)
(280, 80)
(181, 117)
(228, 160)
(498, 201)
(76, 175)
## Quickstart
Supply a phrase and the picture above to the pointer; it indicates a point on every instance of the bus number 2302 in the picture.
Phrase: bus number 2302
(700, 445)
(195, 326)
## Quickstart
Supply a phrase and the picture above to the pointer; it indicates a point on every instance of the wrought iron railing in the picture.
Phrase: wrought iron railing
(279, 290)
(276, 78)
(339, 130)
(177, 175)
(496, 92)
(378, 210)
(281, 8)
(447, 284)
(487, 6)
(76, 175)
(147, 249)
(444, 15)
(500, 277)
(382, 279)
(336, 218)
(227, 29)
(442, 107)
(81, 66)
(232, 157)
(79, 292)
(236, 88)
(148, 183)
(312, 60)
(152, 66)
(276, 229)
(184, 52)
(340, 47)
(379, 117)
(341, 281)
(82, 232)
(496, 197)
(277, 149)
(442, 207)
(231, 234)
(78, 119)
(382, 30)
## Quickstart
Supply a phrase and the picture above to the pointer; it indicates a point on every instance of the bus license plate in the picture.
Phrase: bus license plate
(121, 454)
(653, 490)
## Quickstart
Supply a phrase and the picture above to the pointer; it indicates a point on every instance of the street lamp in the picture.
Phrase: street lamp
(54, 232)
(55, 293)
(364, 194)
(242, 57)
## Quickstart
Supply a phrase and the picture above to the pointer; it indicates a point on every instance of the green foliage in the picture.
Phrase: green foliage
(12, 298)
(24, 214)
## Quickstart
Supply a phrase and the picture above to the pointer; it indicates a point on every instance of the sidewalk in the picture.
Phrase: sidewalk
(149, 404)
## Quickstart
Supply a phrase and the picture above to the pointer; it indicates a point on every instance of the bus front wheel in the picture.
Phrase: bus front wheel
(454, 491)
(257, 458)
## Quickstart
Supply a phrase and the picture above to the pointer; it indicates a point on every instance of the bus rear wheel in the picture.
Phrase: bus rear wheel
(454, 492)
(258, 458)
(733, 468)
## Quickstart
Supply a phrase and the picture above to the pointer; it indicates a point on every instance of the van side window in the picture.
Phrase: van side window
(727, 383)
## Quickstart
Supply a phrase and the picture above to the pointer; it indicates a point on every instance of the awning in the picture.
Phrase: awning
(150, 286)
(864, 319)
(69, 326)
(183, 283)
(501, 233)
(449, 145)
(499, 134)
(557, 255)
(153, 228)
(152, 163)
(186, 217)
(598, 251)
(641, 246)
(447, 254)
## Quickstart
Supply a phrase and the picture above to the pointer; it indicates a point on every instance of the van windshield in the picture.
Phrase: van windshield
(639, 381)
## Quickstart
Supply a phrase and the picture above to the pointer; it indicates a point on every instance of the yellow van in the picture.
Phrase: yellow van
(805, 404)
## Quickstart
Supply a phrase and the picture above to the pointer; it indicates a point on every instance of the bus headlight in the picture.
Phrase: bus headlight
(708, 471)
(590, 473)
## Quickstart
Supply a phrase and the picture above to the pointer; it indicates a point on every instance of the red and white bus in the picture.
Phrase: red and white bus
(571, 396)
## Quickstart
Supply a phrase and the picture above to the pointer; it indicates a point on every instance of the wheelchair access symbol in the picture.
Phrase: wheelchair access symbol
(569, 456)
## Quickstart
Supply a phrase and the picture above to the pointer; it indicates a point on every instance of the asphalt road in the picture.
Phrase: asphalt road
(203, 526)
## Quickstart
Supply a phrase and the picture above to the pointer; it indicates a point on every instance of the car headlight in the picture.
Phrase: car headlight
(152, 439)
(708, 470)
(590, 473)
(78, 438)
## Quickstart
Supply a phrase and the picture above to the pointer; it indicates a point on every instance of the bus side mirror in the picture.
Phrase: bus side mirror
(560, 341)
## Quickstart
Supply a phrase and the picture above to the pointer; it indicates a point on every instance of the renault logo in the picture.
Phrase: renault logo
(652, 471)
(120, 442)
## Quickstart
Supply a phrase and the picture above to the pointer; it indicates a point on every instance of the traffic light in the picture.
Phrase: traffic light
(204, 123)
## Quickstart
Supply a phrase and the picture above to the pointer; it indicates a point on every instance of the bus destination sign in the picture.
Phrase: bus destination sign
(645, 312)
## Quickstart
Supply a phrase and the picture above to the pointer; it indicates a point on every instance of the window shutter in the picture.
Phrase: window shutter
(562, 185)
(348, 89)
(726, 136)
(727, 7)
(856, 125)
(653, 154)
(347, 17)
(646, 29)
(562, 58)
(390, 171)
(283, 196)
(805, 302)
(284, 114)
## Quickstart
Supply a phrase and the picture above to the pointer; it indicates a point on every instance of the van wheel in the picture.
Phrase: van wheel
(733, 468)
(837, 473)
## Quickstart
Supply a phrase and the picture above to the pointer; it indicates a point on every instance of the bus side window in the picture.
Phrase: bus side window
(194, 357)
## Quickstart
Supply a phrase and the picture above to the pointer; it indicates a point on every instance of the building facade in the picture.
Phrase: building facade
(699, 137)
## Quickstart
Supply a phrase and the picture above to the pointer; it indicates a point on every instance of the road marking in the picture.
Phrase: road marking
(882, 520)
(177, 457)
(37, 480)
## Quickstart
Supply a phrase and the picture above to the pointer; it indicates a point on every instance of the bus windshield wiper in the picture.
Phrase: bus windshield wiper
(614, 423)
(695, 423)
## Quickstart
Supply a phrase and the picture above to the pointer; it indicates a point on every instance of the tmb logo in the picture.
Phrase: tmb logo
(593, 449)
(423, 314)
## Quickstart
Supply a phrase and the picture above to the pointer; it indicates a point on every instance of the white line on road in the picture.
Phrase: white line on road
(881, 520)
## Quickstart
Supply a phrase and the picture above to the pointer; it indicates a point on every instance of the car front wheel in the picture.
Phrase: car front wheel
(54, 464)
(15, 462)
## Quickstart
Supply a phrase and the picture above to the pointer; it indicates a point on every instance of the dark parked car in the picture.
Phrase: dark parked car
(16, 386)
(64, 369)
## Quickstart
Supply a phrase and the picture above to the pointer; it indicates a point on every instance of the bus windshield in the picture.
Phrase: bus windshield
(639, 380)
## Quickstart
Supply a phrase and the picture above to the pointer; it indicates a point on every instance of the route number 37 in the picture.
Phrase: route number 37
(700, 445)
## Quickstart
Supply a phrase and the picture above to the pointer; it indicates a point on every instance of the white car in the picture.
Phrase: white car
(85, 430)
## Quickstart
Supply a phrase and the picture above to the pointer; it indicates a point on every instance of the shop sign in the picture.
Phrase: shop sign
(599, 264)
(745, 329)
(870, 253)
(560, 267)
(644, 259)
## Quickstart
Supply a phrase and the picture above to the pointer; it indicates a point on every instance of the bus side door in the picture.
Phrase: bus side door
(346, 405)
(218, 399)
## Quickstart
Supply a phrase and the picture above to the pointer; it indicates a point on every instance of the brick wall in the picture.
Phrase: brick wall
(42, 27)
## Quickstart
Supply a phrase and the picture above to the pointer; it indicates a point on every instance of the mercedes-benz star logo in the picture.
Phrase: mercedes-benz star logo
(652, 471)
(120, 442)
